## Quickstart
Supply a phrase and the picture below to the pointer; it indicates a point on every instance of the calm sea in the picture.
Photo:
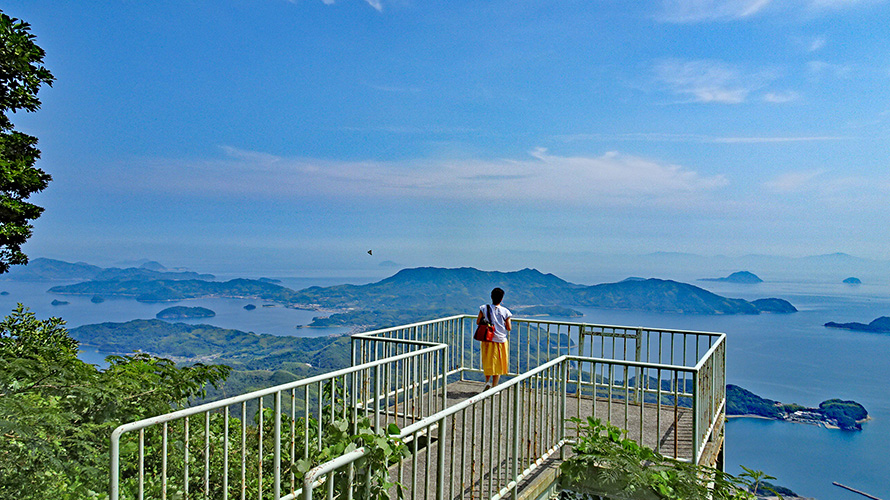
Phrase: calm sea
(790, 358)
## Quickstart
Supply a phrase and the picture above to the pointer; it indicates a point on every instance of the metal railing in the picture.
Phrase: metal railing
(211, 451)
(666, 387)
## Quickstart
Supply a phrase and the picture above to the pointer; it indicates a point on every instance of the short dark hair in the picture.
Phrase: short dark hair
(497, 295)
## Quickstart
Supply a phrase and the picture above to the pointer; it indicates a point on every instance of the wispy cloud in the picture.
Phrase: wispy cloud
(781, 97)
(696, 138)
(612, 177)
(689, 11)
(709, 81)
(817, 43)
(845, 193)
(821, 68)
(394, 89)
(694, 11)
(793, 181)
(377, 4)
(766, 140)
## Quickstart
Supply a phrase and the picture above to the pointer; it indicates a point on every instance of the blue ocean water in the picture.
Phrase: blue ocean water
(789, 358)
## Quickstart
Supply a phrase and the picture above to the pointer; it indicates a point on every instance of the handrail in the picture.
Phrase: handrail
(214, 405)
(385, 379)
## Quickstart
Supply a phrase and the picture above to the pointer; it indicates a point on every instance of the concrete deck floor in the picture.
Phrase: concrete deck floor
(478, 453)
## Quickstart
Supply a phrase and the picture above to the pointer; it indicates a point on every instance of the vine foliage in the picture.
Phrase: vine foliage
(608, 464)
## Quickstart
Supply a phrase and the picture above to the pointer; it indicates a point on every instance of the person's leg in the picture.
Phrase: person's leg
(495, 379)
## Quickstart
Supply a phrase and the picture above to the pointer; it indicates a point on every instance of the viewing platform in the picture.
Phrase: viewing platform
(665, 387)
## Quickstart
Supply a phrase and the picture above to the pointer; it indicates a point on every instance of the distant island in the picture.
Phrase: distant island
(743, 277)
(430, 292)
(97, 299)
(183, 312)
(42, 269)
(57, 302)
(833, 413)
(853, 281)
(249, 307)
(879, 325)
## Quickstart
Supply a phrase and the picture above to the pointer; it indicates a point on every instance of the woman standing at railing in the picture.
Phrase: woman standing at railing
(495, 354)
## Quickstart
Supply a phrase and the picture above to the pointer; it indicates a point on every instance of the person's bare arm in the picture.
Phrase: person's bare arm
(479, 319)
(509, 324)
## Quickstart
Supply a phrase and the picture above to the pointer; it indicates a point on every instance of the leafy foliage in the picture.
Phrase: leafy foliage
(606, 462)
(314, 442)
(57, 412)
(21, 75)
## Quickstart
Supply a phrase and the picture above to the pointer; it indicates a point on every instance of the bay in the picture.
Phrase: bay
(790, 358)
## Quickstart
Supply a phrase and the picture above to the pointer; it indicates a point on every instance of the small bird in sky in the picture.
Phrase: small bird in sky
(369, 253)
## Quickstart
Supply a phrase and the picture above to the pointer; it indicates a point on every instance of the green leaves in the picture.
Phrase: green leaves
(605, 462)
(57, 412)
(21, 75)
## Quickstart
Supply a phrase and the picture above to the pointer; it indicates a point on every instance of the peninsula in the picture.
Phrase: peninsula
(744, 277)
(833, 413)
(879, 325)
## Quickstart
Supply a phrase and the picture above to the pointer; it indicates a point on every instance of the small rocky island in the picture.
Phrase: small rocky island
(183, 312)
(879, 325)
(833, 413)
(853, 281)
(744, 277)
(57, 302)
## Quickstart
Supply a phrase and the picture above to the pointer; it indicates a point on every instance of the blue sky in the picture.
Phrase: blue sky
(293, 136)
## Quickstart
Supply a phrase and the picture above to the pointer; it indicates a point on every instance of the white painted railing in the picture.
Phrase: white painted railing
(666, 387)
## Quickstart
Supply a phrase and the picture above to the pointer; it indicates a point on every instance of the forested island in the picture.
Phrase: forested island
(182, 312)
(879, 325)
(428, 292)
(745, 277)
(833, 413)
(42, 269)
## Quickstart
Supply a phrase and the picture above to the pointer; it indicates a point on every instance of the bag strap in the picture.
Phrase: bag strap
(488, 307)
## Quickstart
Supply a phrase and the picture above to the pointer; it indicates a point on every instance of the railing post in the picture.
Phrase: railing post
(113, 483)
(445, 377)
(516, 430)
(276, 457)
(695, 417)
(440, 463)
(562, 406)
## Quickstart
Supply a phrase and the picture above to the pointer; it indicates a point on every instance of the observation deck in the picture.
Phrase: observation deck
(665, 387)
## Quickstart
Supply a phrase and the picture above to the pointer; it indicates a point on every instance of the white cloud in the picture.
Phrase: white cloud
(688, 11)
(772, 140)
(817, 43)
(697, 138)
(709, 81)
(612, 177)
(693, 11)
(793, 181)
(822, 68)
(377, 4)
(844, 193)
(781, 97)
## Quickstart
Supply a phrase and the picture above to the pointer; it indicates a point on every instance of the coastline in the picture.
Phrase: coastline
(793, 421)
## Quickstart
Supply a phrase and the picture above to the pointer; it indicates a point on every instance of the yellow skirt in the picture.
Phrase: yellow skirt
(495, 358)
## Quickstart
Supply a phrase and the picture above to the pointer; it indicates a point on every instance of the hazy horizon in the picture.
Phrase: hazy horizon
(300, 134)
